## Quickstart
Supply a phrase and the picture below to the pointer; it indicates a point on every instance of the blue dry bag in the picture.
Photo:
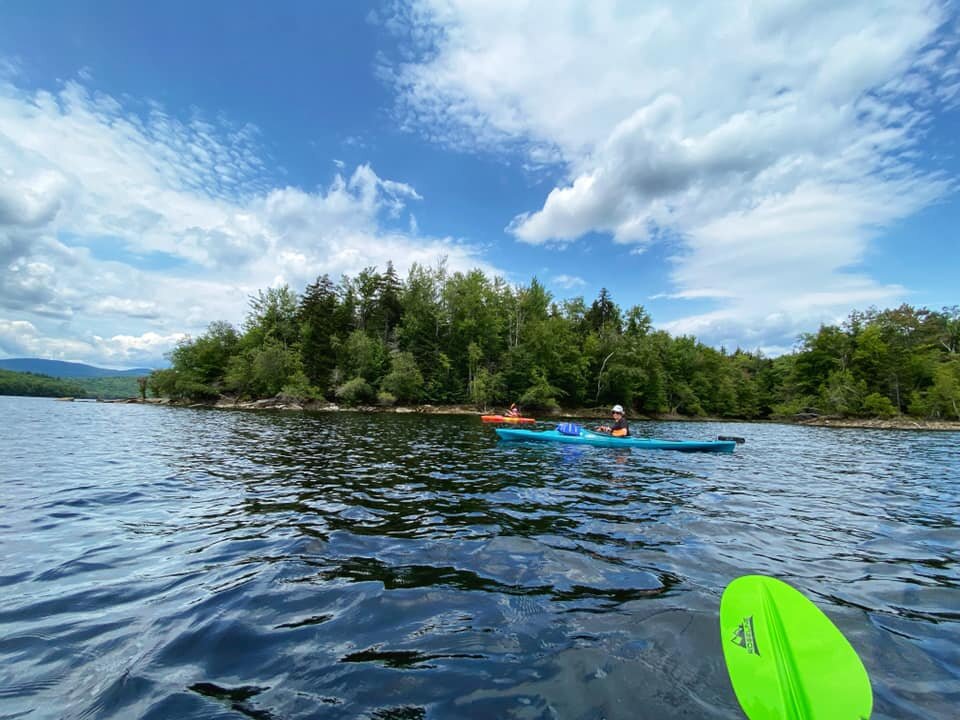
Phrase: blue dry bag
(568, 429)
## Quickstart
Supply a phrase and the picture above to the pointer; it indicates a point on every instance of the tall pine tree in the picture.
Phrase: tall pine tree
(318, 328)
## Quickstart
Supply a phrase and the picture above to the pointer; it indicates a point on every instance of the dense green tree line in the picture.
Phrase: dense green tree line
(120, 386)
(879, 363)
(24, 383)
(441, 337)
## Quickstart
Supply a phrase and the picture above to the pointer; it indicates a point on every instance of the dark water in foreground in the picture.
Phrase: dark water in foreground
(175, 563)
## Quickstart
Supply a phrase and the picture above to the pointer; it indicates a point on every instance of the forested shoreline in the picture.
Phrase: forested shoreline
(31, 384)
(454, 338)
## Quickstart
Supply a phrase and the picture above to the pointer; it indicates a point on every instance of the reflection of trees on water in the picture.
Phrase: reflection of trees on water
(445, 481)
(440, 477)
(534, 570)
(448, 494)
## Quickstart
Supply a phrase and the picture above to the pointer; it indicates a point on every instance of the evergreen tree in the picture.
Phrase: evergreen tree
(604, 313)
(318, 315)
(389, 306)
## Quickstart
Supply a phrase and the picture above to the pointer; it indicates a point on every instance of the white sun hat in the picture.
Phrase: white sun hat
(618, 408)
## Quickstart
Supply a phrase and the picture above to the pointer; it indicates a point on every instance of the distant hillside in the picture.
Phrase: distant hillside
(14, 383)
(60, 369)
(105, 388)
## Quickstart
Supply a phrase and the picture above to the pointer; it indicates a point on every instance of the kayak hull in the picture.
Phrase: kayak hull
(600, 440)
(506, 419)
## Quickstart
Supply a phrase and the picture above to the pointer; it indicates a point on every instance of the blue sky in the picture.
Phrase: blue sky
(744, 170)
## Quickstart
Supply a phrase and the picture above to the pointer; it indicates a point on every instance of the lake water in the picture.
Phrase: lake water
(190, 563)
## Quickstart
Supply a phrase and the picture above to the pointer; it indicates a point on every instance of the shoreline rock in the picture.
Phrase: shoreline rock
(901, 423)
(295, 405)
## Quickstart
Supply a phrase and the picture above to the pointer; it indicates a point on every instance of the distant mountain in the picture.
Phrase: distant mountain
(60, 369)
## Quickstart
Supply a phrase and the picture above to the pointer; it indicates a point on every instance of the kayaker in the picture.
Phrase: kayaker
(619, 427)
(514, 411)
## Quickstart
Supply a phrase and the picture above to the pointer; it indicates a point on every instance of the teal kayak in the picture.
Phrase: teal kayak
(586, 437)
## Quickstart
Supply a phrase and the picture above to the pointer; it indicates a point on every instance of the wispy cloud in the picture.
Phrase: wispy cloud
(771, 142)
(568, 282)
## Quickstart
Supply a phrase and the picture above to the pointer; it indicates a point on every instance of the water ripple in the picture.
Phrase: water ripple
(190, 563)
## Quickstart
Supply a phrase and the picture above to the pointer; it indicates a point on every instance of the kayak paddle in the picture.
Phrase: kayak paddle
(786, 659)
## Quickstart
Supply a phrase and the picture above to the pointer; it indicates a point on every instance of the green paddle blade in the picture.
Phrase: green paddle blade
(786, 659)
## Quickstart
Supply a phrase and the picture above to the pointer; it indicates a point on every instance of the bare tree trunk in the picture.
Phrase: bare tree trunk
(600, 375)
(516, 328)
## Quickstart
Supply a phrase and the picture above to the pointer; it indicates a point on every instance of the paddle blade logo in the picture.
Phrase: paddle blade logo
(744, 637)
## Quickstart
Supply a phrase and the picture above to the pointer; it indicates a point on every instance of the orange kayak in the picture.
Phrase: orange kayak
(505, 419)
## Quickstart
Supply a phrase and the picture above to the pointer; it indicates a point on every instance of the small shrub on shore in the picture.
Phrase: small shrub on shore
(355, 392)
(877, 405)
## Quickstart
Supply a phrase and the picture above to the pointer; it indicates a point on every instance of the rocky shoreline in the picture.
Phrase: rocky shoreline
(898, 423)
(295, 405)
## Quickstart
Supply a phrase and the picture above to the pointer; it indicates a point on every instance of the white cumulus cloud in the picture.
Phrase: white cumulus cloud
(771, 142)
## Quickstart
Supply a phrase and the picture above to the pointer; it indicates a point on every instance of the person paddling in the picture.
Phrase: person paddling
(514, 411)
(619, 427)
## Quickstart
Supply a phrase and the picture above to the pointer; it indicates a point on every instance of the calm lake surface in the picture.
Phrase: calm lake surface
(187, 563)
